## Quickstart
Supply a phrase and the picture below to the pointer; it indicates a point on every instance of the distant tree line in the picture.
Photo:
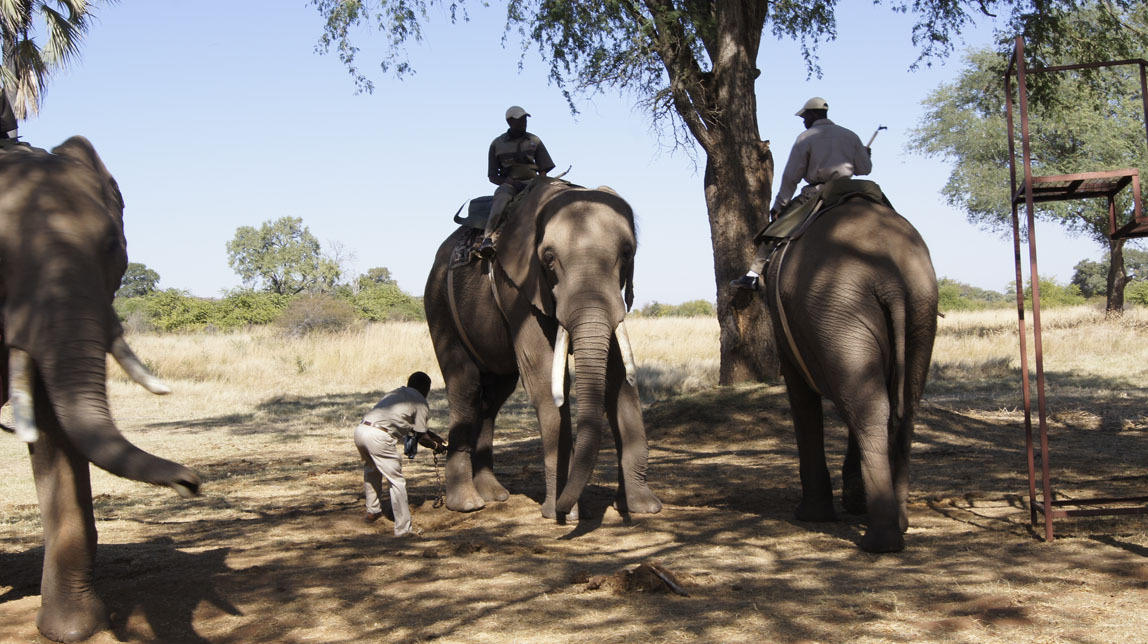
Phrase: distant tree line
(288, 281)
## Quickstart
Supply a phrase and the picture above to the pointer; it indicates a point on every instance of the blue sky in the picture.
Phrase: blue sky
(217, 114)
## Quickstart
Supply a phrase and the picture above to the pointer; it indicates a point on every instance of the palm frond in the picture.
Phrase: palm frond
(64, 37)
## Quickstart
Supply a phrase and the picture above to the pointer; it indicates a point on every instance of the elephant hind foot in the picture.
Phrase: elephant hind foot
(879, 541)
(464, 501)
(489, 488)
(815, 512)
(73, 622)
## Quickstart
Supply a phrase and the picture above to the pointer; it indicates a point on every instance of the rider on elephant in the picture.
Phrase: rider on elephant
(822, 152)
(515, 157)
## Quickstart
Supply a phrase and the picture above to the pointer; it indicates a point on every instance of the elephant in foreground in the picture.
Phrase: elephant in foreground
(853, 302)
(563, 262)
(62, 255)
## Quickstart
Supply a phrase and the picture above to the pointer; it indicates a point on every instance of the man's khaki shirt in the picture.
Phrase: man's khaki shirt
(824, 151)
(520, 158)
(401, 411)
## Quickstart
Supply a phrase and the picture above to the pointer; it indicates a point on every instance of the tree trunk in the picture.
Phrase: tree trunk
(1117, 278)
(736, 213)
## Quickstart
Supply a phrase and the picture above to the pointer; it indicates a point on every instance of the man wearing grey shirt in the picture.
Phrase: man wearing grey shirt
(379, 438)
(822, 152)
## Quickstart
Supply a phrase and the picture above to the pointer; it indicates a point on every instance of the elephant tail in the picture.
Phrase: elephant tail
(913, 326)
(900, 329)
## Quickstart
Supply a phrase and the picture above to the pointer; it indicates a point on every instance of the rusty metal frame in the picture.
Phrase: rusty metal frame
(1059, 188)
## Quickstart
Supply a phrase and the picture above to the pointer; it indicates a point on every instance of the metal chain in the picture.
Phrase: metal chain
(439, 500)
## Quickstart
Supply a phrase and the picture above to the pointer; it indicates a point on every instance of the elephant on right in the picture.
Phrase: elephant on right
(853, 302)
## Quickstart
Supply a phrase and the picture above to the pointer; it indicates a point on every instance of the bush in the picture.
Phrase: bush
(133, 315)
(174, 310)
(380, 302)
(245, 307)
(1053, 295)
(311, 313)
(1137, 292)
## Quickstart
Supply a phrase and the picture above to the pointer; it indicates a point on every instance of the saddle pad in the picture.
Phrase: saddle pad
(833, 193)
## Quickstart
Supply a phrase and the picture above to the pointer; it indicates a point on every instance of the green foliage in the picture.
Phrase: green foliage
(283, 256)
(958, 296)
(380, 301)
(1052, 294)
(245, 307)
(376, 276)
(28, 61)
(316, 312)
(175, 310)
(693, 308)
(1090, 277)
(138, 280)
(1137, 292)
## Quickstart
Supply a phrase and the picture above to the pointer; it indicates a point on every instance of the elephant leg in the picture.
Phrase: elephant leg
(69, 611)
(852, 485)
(902, 445)
(624, 410)
(464, 391)
(809, 425)
(870, 421)
(495, 390)
(553, 422)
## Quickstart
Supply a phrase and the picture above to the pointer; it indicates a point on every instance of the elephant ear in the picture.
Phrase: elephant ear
(518, 247)
(628, 274)
(81, 150)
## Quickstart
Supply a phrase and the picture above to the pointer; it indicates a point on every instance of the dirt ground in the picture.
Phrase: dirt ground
(275, 549)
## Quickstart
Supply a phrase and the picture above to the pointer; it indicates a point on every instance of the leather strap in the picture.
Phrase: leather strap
(785, 322)
(458, 322)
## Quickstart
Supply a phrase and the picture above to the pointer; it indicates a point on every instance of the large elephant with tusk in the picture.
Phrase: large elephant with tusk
(62, 255)
(562, 281)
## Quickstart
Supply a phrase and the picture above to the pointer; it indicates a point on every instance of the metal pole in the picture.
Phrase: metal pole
(1034, 275)
(1022, 330)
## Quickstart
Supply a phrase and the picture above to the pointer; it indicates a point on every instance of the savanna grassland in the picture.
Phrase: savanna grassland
(274, 549)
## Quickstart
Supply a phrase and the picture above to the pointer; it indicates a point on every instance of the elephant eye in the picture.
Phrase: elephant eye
(627, 252)
(548, 259)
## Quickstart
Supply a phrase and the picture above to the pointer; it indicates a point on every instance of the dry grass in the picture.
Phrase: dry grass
(273, 550)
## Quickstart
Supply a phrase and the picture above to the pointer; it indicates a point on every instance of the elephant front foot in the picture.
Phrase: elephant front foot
(882, 540)
(465, 500)
(72, 621)
(816, 512)
(549, 512)
(489, 488)
(641, 501)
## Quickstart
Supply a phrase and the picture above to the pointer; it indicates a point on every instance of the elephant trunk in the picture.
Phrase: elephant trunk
(74, 376)
(591, 349)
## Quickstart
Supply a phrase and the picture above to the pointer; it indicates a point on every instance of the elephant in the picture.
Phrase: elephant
(563, 272)
(853, 305)
(62, 256)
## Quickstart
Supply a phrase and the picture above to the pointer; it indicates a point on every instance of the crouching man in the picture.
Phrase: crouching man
(380, 437)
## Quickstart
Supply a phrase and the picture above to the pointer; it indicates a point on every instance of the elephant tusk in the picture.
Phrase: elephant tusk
(136, 369)
(558, 368)
(20, 392)
(627, 353)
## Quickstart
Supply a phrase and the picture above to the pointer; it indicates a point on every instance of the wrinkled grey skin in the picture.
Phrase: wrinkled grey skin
(564, 258)
(62, 255)
(860, 296)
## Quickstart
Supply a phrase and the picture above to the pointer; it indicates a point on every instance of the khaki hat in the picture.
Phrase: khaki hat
(515, 112)
(815, 103)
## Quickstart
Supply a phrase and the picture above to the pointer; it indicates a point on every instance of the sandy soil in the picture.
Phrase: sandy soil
(275, 550)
